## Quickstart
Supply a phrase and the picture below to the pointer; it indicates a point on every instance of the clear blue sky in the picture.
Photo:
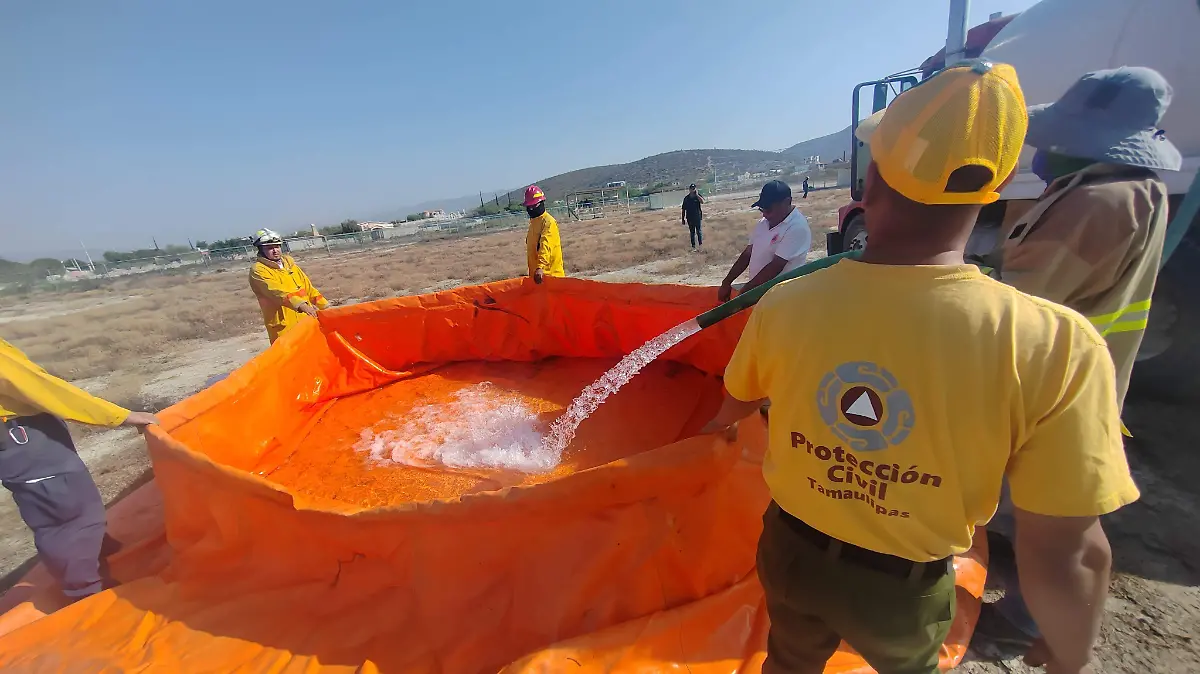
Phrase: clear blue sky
(126, 119)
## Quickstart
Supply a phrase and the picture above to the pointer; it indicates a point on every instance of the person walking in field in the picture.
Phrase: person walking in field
(805, 186)
(284, 291)
(883, 455)
(779, 242)
(1094, 239)
(693, 216)
(39, 465)
(543, 249)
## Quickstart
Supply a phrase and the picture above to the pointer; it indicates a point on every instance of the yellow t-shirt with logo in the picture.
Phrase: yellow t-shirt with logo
(902, 395)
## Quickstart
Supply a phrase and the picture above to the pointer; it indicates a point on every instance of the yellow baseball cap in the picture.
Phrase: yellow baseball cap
(970, 115)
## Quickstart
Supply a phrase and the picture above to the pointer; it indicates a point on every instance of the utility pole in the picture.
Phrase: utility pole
(956, 32)
(88, 255)
(481, 199)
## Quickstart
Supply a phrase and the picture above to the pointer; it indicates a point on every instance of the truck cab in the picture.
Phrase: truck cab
(852, 234)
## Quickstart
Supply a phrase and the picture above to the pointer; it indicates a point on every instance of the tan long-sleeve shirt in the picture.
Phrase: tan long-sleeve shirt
(1093, 242)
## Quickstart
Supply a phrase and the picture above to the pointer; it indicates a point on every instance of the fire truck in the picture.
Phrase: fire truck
(1051, 45)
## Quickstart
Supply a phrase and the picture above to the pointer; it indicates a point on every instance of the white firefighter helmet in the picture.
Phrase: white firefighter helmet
(266, 237)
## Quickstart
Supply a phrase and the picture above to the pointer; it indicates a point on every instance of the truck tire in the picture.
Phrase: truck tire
(855, 235)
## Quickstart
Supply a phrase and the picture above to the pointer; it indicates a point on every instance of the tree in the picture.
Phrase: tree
(236, 242)
(125, 256)
(349, 226)
(488, 209)
(46, 265)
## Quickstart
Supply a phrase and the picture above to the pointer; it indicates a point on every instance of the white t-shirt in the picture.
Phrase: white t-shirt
(789, 240)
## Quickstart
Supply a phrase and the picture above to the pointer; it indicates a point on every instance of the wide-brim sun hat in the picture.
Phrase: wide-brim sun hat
(1110, 116)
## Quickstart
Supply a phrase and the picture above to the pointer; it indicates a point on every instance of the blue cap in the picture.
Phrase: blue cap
(772, 193)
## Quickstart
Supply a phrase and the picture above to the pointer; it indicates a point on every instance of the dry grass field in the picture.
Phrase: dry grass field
(127, 326)
(148, 341)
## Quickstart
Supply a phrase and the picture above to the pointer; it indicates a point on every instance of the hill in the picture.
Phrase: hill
(680, 165)
(684, 166)
(828, 148)
(448, 204)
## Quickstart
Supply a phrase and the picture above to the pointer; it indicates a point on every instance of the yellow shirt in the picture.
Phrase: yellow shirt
(543, 249)
(26, 390)
(281, 291)
(901, 395)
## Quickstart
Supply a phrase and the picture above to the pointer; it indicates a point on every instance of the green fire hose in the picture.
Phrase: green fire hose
(1175, 233)
(751, 297)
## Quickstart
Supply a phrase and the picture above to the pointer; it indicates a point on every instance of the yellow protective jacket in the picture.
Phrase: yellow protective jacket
(280, 291)
(543, 248)
(26, 390)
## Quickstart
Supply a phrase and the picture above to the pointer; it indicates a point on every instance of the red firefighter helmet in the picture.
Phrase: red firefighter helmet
(533, 195)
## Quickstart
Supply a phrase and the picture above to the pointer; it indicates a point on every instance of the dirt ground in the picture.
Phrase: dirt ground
(147, 342)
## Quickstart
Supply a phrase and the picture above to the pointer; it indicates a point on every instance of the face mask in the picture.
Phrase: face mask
(1041, 167)
(536, 211)
(1050, 166)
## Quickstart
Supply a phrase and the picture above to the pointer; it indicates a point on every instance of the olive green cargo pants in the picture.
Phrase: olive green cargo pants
(816, 599)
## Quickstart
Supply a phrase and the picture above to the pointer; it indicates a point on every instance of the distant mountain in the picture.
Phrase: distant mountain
(684, 166)
(828, 148)
(449, 204)
(681, 165)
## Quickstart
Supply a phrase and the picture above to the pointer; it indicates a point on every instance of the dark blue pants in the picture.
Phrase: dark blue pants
(57, 498)
(696, 233)
(1012, 605)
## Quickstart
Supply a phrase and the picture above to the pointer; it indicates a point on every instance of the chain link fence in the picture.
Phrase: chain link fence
(823, 179)
(76, 274)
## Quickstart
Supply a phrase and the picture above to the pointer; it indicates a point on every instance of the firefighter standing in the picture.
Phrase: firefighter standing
(284, 291)
(543, 248)
(873, 396)
(1094, 239)
(50, 484)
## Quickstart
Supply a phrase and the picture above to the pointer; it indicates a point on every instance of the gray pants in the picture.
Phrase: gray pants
(57, 499)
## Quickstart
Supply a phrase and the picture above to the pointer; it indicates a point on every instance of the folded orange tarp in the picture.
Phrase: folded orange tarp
(285, 549)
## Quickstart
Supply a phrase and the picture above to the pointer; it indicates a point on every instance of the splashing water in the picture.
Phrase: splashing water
(481, 427)
(562, 431)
